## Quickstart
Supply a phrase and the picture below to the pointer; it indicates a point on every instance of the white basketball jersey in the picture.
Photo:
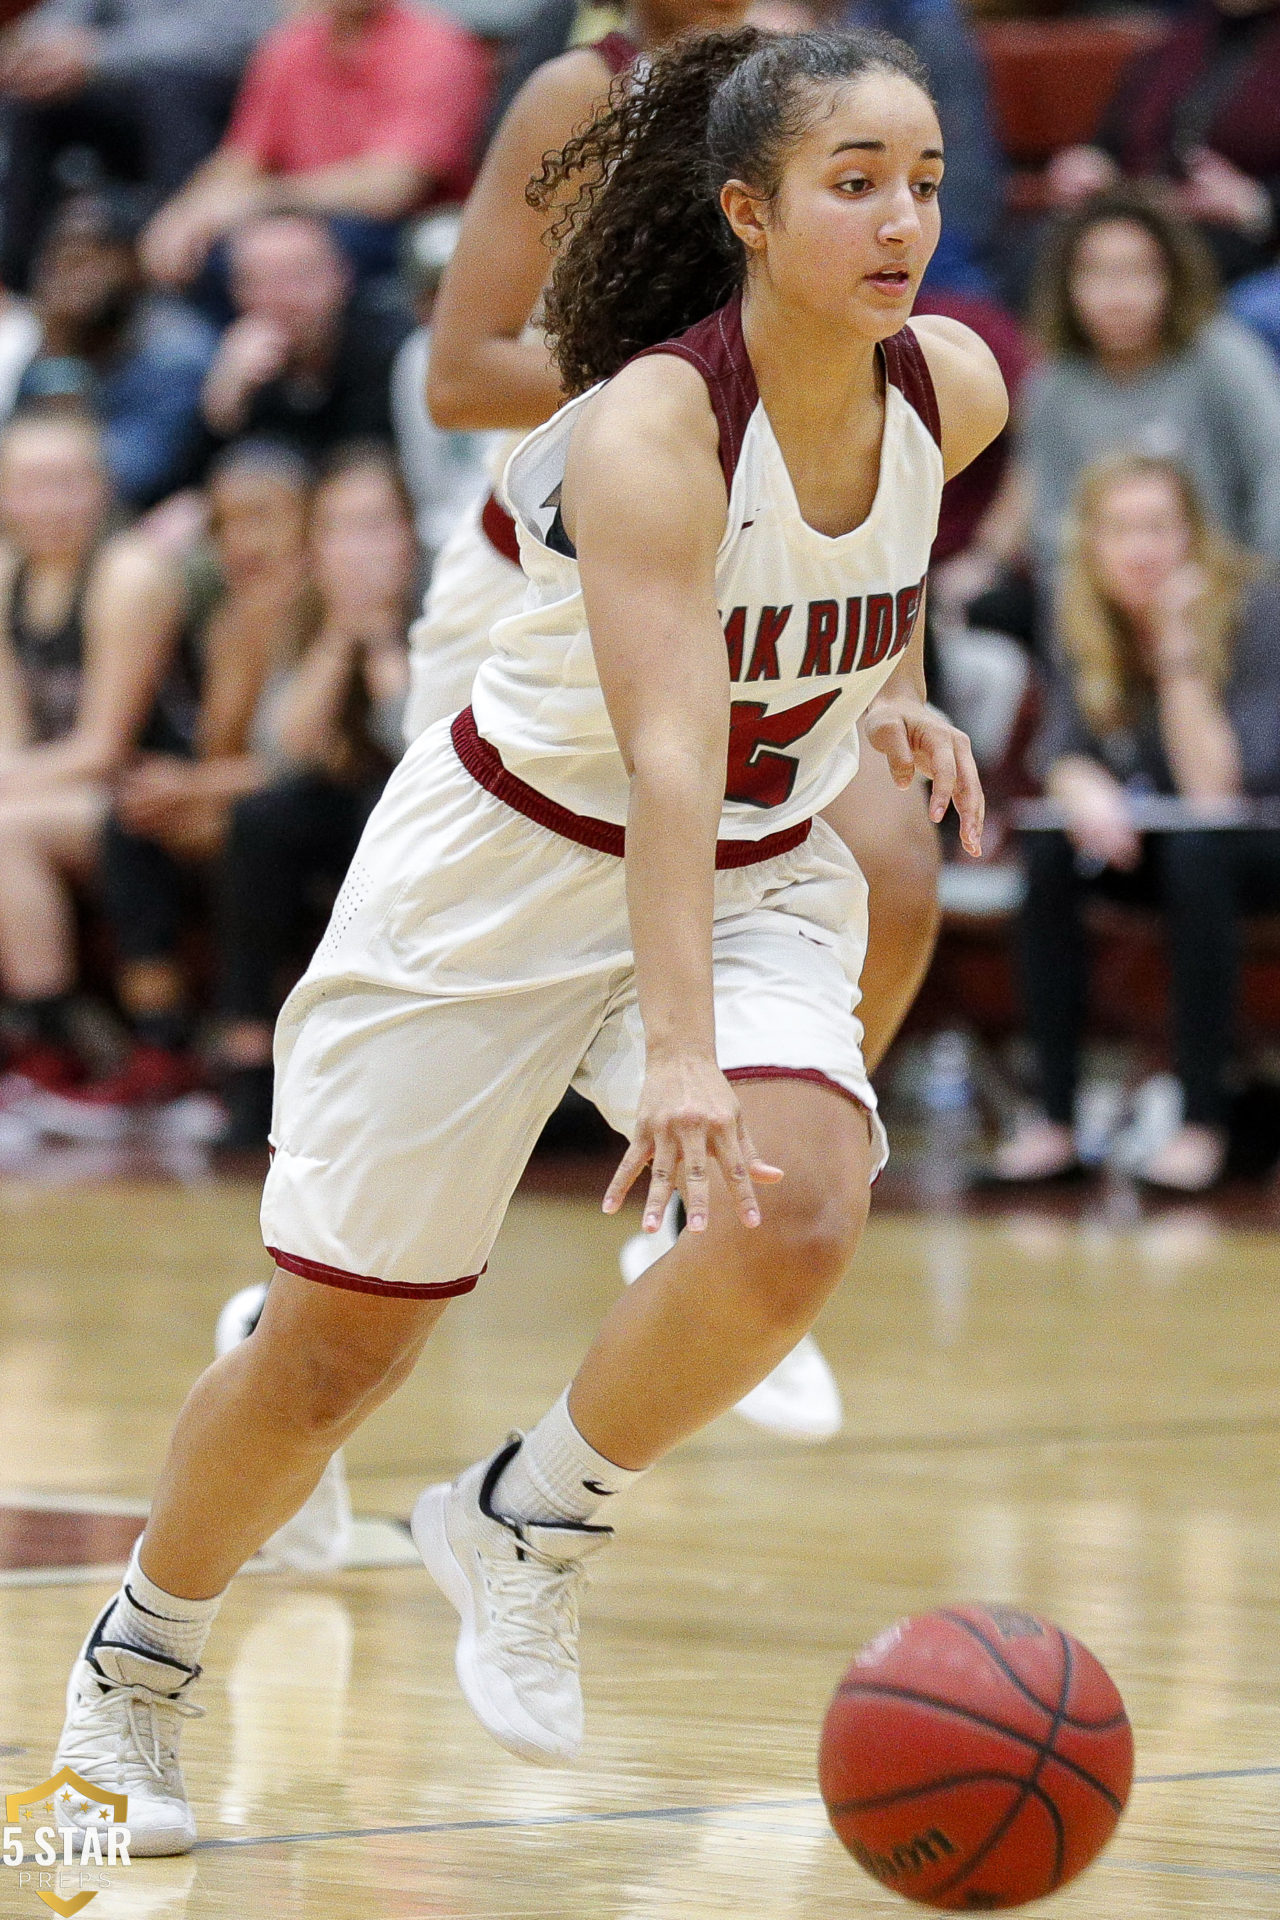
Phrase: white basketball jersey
(813, 625)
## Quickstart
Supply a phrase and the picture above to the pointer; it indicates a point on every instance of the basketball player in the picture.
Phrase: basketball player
(762, 212)
(490, 368)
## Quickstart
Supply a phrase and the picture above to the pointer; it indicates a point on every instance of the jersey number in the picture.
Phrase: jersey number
(756, 774)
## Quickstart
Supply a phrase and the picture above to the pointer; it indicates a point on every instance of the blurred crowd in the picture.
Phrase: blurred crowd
(222, 228)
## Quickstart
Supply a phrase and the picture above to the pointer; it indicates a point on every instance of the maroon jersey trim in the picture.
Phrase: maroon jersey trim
(617, 51)
(360, 1283)
(483, 762)
(716, 347)
(907, 369)
(499, 529)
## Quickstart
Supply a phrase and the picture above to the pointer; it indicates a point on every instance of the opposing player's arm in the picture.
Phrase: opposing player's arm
(972, 400)
(645, 504)
(482, 373)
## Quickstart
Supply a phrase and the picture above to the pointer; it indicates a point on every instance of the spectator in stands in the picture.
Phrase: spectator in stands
(336, 728)
(1136, 355)
(88, 625)
(137, 359)
(146, 84)
(308, 358)
(444, 470)
(1169, 682)
(246, 608)
(1197, 112)
(363, 110)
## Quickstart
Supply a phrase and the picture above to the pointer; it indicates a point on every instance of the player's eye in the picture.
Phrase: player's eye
(928, 189)
(855, 183)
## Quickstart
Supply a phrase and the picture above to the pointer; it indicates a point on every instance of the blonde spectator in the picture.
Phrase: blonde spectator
(1168, 682)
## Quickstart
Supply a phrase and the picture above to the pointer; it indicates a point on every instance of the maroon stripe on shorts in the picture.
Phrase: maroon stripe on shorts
(499, 530)
(360, 1283)
(815, 1074)
(483, 762)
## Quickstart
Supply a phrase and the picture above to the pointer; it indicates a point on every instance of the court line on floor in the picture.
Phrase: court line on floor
(613, 1816)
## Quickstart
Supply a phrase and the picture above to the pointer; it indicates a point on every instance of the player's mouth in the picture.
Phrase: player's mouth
(890, 279)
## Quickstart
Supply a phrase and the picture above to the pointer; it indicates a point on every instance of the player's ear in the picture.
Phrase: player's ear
(745, 211)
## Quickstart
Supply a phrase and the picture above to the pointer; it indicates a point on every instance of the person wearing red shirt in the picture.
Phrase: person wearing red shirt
(362, 109)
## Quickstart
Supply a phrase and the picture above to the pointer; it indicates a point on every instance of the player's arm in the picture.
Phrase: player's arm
(914, 737)
(482, 373)
(644, 502)
(973, 403)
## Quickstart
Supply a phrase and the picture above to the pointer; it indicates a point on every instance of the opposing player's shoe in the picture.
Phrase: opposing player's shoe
(799, 1398)
(125, 1710)
(516, 1587)
(318, 1538)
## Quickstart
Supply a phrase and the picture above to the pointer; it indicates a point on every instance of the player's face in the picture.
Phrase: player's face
(1119, 288)
(1139, 540)
(856, 217)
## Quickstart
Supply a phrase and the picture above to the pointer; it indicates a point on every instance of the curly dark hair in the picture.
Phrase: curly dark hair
(647, 250)
(1188, 264)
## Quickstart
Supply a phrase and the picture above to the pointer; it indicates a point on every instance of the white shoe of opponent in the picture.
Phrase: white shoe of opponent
(318, 1538)
(125, 1710)
(799, 1398)
(516, 1587)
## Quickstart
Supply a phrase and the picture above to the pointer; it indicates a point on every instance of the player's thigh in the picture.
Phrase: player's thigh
(888, 831)
(785, 980)
(402, 1124)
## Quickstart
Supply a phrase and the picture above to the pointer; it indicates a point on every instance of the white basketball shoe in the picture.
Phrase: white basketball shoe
(516, 1586)
(125, 1710)
(318, 1538)
(799, 1398)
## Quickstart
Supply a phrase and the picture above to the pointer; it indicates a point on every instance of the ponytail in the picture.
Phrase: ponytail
(646, 248)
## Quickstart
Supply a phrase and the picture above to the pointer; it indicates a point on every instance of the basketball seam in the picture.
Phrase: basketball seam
(1030, 1786)
(1068, 1719)
(943, 1785)
(850, 1687)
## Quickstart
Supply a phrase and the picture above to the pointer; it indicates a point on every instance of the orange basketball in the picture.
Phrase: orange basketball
(975, 1758)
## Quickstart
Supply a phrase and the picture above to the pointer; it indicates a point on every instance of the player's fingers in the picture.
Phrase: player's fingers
(970, 801)
(759, 1168)
(697, 1188)
(890, 737)
(631, 1165)
(942, 776)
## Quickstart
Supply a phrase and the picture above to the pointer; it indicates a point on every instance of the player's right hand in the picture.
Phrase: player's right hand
(689, 1116)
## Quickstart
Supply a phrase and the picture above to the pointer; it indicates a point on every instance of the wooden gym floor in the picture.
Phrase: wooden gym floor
(1078, 1415)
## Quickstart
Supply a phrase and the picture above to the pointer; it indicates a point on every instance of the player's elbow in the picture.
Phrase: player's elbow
(451, 393)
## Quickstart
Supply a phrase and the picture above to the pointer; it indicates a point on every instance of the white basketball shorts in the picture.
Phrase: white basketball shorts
(477, 963)
(473, 586)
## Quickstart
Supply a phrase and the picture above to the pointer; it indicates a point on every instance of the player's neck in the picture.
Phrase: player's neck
(815, 377)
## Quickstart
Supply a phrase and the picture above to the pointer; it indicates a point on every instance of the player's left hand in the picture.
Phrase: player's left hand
(689, 1116)
(915, 738)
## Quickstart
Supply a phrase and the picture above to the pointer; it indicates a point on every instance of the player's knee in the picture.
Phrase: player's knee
(334, 1384)
(802, 1247)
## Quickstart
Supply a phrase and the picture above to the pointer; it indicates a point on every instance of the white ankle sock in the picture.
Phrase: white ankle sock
(556, 1475)
(147, 1617)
